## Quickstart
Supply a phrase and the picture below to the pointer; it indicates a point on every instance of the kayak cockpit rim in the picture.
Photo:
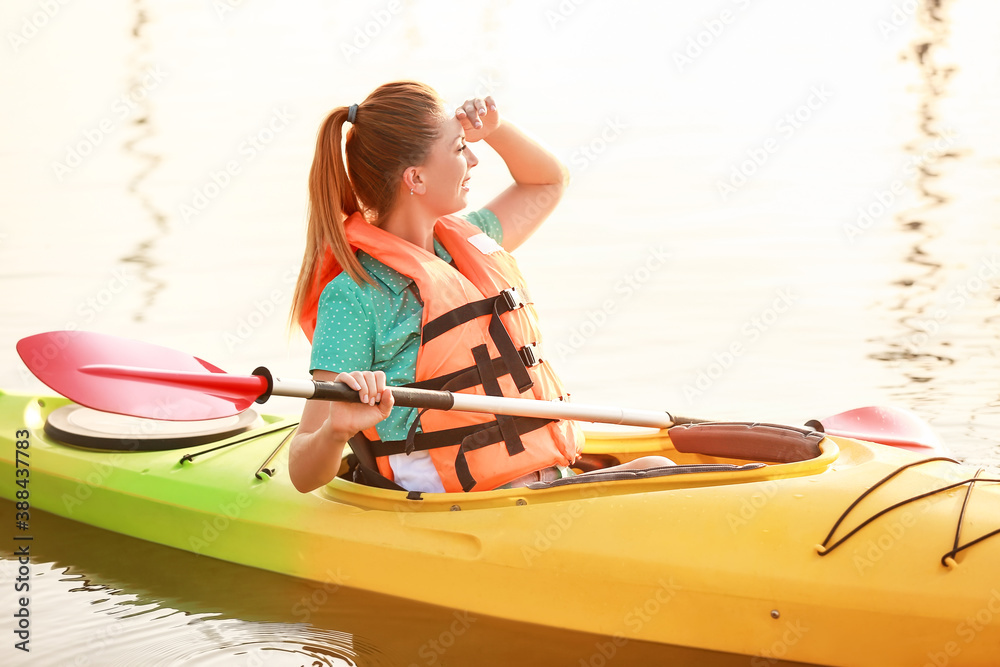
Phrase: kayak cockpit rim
(368, 497)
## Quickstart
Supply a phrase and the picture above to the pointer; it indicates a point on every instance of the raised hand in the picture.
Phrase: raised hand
(479, 118)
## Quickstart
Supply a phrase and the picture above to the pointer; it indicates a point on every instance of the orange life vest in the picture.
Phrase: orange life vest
(479, 334)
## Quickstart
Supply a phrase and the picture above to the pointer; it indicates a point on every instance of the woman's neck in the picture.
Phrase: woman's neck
(411, 224)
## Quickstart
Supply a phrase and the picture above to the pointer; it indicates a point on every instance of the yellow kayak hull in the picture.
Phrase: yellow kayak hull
(726, 561)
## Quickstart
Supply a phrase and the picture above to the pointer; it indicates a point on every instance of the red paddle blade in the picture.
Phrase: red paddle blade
(130, 377)
(897, 427)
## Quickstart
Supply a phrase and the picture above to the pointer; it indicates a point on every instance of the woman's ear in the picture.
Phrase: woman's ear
(411, 178)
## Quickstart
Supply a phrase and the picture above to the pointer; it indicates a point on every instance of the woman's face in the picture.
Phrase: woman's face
(445, 173)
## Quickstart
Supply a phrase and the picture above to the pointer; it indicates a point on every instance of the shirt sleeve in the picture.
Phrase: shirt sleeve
(487, 221)
(344, 340)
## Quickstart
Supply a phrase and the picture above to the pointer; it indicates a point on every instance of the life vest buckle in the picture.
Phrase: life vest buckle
(530, 355)
(513, 298)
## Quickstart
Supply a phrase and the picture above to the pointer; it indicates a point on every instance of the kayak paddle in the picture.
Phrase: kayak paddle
(131, 377)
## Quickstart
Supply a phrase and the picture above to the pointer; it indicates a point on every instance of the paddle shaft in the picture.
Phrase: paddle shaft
(498, 405)
(262, 385)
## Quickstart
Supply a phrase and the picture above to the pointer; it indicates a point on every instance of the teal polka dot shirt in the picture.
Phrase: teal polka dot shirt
(366, 327)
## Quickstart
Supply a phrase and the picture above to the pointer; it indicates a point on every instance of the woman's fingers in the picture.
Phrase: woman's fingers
(379, 382)
(349, 380)
(366, 383)
(375, 403)
(386, 402)
(479, 117)
(470, 112)
(368, 392)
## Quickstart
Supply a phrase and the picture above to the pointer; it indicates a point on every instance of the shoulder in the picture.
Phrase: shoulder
(487, 221)
(342, 289)
(343, 302)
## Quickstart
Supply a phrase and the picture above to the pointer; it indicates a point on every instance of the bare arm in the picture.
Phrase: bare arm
(316, 450)
(539, 176)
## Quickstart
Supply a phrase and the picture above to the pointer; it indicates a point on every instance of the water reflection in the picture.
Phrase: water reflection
(945, 301)
(913, 352)
(142, 129)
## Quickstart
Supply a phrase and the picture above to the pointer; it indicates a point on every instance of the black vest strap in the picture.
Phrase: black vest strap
(508, 352)
(365, 475)
(492, 388)
(506, 301)
(460, 379)
(453, 318)
(488, 437)
(485, 434)
(469, 376)
(510, 299)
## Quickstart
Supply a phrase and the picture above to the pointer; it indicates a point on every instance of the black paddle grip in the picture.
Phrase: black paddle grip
(403, 397)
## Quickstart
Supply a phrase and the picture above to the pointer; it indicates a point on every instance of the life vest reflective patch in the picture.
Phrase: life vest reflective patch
(485, 244)
(479, 334)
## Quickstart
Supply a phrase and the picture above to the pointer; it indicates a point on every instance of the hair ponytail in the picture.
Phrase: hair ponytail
(394, 129)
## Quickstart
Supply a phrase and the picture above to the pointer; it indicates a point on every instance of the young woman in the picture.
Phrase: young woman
(396, 290)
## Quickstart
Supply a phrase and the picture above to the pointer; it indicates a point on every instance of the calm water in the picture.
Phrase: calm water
(779, 211)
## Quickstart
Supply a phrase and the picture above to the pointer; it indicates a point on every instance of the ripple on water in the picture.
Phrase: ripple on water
(226, 642)
(109, 627)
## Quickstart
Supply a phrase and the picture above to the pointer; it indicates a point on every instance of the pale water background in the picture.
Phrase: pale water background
(780, 210)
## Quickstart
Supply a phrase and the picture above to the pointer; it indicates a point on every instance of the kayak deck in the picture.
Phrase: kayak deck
(724, 560)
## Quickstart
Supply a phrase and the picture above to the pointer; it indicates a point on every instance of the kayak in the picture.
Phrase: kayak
(764, 541)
